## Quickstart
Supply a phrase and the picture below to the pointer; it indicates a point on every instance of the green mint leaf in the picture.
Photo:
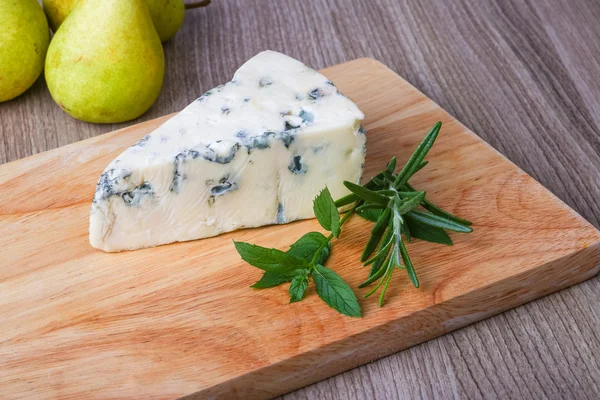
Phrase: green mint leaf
(439, 221)
(335, 292)
(326, 212)
(298, 287)
(270, 279)
(271, 260)
(307, 246)
(426, 232)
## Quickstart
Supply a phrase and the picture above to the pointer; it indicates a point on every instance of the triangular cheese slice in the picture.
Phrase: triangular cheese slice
(254, 151)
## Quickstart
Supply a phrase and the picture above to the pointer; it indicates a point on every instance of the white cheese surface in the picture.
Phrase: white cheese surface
(251, 152)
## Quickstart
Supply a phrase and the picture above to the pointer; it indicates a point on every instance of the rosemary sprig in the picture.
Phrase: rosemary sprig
(392, 204)
(400, 220)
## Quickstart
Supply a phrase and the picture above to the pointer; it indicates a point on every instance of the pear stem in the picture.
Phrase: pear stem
(199, 4)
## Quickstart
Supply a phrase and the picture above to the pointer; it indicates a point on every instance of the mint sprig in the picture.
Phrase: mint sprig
(304, 261)
(392, 204)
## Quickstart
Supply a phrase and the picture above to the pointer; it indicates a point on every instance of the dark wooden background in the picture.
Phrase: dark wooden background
(523, 74)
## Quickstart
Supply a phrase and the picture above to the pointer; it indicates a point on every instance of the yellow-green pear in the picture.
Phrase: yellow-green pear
(106, 63)
(167, 16)
(24, 39)
(57, 11)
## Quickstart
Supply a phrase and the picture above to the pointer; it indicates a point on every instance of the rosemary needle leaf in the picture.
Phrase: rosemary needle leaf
(411, 204)
(376, 275)
(386, 192)
(369, 207)
(378, 181)
(348, 199)
(366, 194)
(429, 206)
(382, 253)
(438, 211)
(385, 286)
(439, 222)
(417, 157)
(384, 271)
(429, 233)
(352, 198)
(376, 234)
(379, 263)
(390, 176)
(371, 184)
(406, 231)
(391, 166)
(408, 194)
(370, 214)
(421, 166)
(408, 264)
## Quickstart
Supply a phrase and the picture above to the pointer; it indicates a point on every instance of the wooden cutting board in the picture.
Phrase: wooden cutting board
(181, 320)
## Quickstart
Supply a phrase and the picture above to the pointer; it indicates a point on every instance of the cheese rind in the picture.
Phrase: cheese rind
(252, 152)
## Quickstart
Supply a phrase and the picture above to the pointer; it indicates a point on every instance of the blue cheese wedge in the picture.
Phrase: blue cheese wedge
(251, 152)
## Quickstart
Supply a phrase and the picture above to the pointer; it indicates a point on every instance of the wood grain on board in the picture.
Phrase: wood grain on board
(180, 319)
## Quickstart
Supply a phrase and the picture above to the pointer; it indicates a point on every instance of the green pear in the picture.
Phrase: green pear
(106, 63)
(167, 16)
(24, 39)
(57, 11)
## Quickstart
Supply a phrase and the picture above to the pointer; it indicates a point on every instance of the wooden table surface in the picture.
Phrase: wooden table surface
(522, 74)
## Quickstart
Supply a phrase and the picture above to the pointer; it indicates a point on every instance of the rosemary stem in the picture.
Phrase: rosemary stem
(347, 215)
